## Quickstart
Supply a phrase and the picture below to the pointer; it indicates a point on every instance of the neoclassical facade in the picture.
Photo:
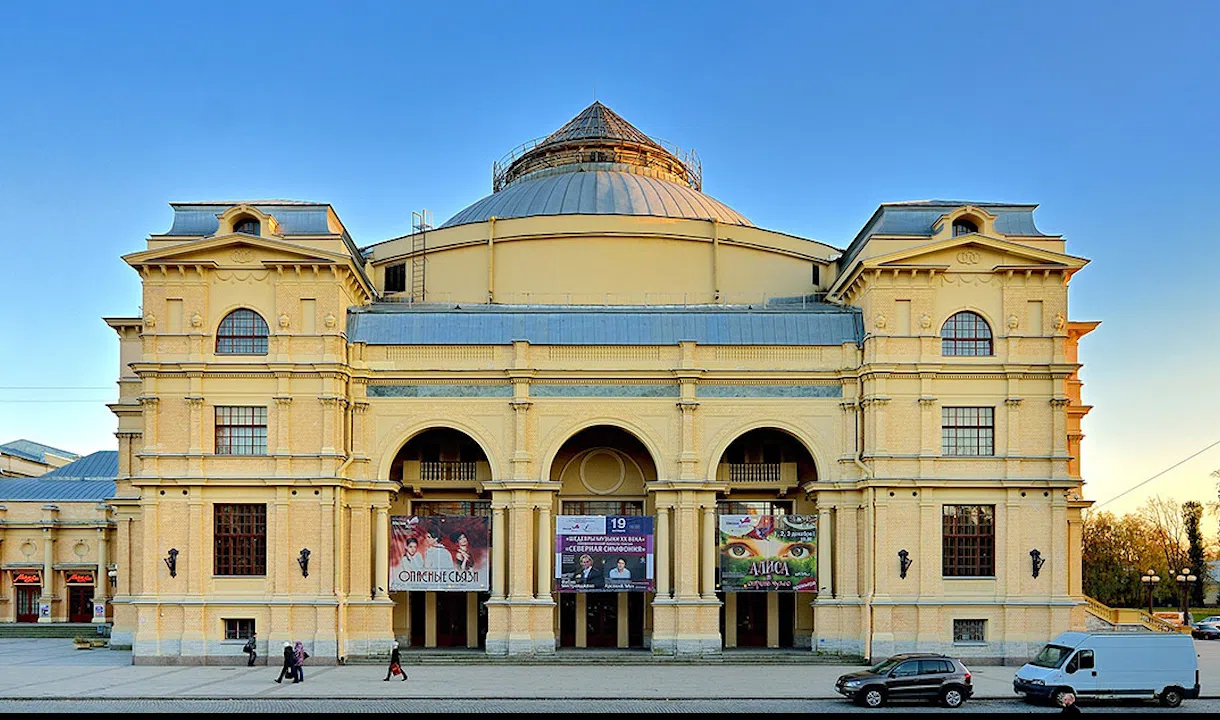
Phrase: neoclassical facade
(598, 337)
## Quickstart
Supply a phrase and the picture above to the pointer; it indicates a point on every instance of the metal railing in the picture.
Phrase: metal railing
(754, 472)
(648, 299)
(448, 470)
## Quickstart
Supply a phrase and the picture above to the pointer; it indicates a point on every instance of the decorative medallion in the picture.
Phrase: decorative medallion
(28, 548)
(330, 320)
(925, 321)
(1013, 322)
(602, 471)
(879, 320)
(242, 255)
(196, 320)
(968, 257)
(1060, 321)
(81, 549)
(150, 320)
(284, 320)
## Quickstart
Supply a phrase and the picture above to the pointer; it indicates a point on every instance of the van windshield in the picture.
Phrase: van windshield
(1052, 656)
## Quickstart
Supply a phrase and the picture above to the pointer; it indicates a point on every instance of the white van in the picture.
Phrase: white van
(1111, 665)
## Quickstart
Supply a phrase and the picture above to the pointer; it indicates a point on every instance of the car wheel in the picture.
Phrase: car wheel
(1172, 697)
(952, 698)
(872, 697)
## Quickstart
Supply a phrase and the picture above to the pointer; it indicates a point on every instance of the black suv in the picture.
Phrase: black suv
(911, 676)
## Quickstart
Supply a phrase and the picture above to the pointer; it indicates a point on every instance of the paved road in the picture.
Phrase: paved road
(754, 706)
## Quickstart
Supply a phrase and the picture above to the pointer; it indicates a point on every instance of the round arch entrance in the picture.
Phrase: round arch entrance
(764, 469)
(440, 522)
(602, 471)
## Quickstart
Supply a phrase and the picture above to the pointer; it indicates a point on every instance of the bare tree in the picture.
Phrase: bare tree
(1165, 520)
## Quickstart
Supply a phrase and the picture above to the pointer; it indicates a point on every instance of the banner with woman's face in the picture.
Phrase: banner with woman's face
(439, 552)
(769, 552)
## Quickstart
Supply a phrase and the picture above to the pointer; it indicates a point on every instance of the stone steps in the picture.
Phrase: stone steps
(51, 630)
(413, 656)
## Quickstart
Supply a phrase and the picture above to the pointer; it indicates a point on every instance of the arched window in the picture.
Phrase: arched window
(965, 333)
(247, 225)
(242, 332)
(964, 226)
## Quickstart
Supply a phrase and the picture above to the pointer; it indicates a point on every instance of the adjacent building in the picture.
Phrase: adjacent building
(857, 450)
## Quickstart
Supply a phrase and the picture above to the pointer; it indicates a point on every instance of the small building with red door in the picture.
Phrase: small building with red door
(55, 531)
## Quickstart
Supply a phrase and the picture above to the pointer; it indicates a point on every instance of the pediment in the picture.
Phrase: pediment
(235, 251)
(976, 253)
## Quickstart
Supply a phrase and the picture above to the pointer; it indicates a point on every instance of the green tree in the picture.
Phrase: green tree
(1192, 518)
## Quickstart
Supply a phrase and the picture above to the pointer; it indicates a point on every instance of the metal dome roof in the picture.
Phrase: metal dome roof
(610, 190)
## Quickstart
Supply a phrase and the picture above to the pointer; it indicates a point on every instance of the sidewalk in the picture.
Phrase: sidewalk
(37, 668)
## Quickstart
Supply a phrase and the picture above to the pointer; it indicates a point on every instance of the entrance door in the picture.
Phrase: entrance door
(80, 603)
(27, 603)
(451, 619)
(751, 619)
(602, 628)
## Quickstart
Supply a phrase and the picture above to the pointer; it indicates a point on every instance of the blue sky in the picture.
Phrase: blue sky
(807, 116)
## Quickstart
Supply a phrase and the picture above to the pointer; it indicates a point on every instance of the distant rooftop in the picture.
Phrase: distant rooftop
(89, 479)
(295, 217)
(37, 452)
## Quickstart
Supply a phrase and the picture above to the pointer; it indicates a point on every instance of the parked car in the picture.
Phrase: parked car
(1205, 631)
(911, 676)
(1211, 620)
(1160, 666)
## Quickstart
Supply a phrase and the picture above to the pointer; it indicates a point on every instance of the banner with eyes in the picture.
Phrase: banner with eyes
(760, 553)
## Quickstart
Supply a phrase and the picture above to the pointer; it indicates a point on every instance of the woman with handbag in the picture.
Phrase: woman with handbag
(395, 664)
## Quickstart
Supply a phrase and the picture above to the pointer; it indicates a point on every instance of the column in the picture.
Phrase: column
(48, 586)
(825, 553)
(662, 552)
(545, 536)
(709, 552)
(101, 579)
(519, 581)
(381, 556)
(499, 538)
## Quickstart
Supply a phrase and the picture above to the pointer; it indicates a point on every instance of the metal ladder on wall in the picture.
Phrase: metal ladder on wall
(421, 223)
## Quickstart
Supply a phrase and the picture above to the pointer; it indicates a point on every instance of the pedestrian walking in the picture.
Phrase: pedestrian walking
(251, 648)
(395, 664)
(299, 656)
(289, 662)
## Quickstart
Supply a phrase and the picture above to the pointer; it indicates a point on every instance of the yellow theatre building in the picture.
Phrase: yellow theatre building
(854, 451)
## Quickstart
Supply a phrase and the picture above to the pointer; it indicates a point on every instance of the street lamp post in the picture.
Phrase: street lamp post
(1185, 580)
(1150, 579)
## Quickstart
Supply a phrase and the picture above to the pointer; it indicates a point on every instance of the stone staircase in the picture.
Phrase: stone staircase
(52, 630)
(1103, 617)
(576, 656)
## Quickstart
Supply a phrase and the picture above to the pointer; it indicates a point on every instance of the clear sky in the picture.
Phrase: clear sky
(807, 116)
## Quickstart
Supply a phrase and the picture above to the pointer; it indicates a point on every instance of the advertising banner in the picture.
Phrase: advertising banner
(769, 552)
(604, 553)
(439, 552)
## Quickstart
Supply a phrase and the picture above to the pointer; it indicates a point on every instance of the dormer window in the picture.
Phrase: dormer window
(964, 226)
(246, 225)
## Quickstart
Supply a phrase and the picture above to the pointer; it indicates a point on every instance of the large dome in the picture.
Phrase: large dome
(598, 164)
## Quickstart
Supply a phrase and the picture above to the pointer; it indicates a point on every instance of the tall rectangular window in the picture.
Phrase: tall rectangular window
(396, 278)
(241, 430)
(968, 540)
(240, 539)
(967, 431)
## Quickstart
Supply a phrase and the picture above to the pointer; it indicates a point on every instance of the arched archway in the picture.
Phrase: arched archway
(603, 471)
(764, 468)
(440, 522)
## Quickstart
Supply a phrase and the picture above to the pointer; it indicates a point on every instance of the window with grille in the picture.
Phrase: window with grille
(241, 430)
(396, 278)
(242, 332)
(241, 539)
(965, 333)
(239, 629)
(969, 631)
(968, 540)
(964, 226)
(477, 508)
(603, 507)
(967, 431)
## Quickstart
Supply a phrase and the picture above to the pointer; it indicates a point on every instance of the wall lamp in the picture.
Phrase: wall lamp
(1038, 560)
(171, 562)
(303, 561)
(904, 563)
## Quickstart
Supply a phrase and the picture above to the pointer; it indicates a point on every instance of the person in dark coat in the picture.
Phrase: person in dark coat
(289, 663)
(251, 648)
(395, 664)
(1069, 704)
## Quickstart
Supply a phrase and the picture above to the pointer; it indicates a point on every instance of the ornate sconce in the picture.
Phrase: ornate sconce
(303, 561)
(1038, 560)
(904, 563)
(171, 562)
